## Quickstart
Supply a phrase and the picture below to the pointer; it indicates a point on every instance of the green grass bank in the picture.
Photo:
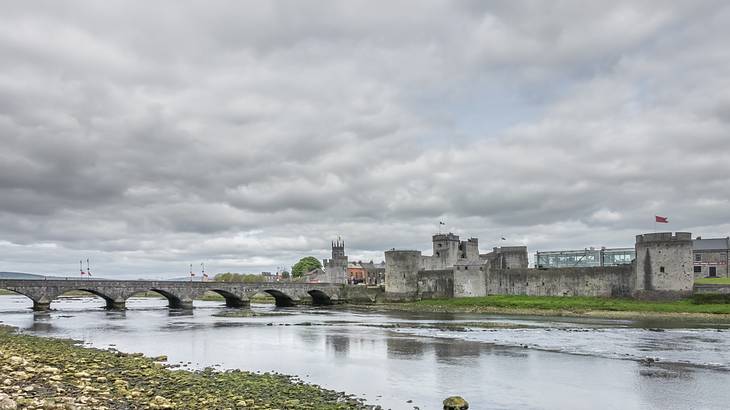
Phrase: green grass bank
(44, 373)
(592, 306)
(713, 281)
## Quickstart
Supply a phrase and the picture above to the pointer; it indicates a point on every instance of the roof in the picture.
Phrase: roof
(315, 271)
(711, 244)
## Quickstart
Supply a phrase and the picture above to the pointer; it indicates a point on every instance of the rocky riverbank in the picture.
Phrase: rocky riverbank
(44, 373)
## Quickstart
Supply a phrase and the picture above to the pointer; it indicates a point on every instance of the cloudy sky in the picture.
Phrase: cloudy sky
(151, 135)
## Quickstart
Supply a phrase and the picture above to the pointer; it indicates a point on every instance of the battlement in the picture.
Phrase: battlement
(506, 249)
(664, 237)
(398, 251)
(445, 237)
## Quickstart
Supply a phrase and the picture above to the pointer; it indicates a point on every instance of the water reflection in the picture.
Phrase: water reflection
(339, 343)
(454, 352)
(400, 347)
(39, 325)
(394, 357)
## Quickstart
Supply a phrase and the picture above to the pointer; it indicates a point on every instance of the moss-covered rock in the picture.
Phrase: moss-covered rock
(51, 373)
(455, 403)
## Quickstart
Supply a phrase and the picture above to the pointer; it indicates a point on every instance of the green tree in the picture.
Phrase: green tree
(305, 265)
(237, 277)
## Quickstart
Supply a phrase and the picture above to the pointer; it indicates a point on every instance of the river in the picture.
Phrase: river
(404, 360)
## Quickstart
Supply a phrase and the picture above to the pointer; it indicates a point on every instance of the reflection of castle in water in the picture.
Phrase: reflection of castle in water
(400, 347)
(448, 351)
(339, 343)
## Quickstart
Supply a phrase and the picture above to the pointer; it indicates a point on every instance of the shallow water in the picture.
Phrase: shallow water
(389, 358)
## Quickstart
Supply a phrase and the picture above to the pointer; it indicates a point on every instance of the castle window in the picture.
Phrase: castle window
(698, 257)
(466, 268)
(698, 269)
(438, 253)
(439, 245)
(661, 269)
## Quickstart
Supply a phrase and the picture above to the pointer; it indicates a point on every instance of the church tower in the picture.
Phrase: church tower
(336, 268)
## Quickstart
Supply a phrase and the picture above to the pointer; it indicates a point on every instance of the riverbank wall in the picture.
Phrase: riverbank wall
(475, 281)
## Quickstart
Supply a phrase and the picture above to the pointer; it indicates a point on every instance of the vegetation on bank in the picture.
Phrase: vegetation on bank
(51, 373)
(713, 281)
(574, 304)
(258, 298)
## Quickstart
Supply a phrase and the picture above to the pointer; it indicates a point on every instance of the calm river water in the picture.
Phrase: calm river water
(415, 360)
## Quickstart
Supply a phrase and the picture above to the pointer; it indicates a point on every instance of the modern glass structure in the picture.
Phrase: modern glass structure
(589, 257)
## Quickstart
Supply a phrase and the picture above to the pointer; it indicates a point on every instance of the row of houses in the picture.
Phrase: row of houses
(366, 273)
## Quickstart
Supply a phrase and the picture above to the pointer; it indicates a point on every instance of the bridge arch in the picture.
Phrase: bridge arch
(231, 299)
(319, 298)
(174, 301)
(18, 292)
(281, 298)
(108, 300)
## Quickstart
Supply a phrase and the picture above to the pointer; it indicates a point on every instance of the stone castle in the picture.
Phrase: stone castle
(662, 269)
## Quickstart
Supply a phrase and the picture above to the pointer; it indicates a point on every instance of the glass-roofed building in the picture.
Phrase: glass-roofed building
(589, 257)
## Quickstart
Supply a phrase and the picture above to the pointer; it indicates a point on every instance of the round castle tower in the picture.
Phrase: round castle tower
(401, 274)
(664, 262)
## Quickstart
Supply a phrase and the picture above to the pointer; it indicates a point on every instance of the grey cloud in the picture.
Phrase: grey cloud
(248, 135)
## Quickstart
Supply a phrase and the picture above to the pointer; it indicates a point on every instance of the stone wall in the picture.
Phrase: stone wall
(506, 257)
(597, 281)
(469, 280)
(436, 284)
(361, 294)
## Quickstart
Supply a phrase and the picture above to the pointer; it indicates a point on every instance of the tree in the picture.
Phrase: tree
(305, 265)
(237, 277)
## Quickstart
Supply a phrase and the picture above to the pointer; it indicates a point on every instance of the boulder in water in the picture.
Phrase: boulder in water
(455, 403)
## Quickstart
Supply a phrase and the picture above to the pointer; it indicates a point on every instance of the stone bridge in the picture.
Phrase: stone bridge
(180, 294)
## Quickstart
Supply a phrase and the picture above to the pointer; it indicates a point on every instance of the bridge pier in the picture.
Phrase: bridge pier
(181, 304)
(237, 303)
(116, 305)
(41, 306)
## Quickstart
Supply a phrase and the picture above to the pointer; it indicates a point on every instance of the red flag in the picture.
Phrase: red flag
(661, 219)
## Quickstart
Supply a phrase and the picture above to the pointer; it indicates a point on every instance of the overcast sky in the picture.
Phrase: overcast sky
(151, 135)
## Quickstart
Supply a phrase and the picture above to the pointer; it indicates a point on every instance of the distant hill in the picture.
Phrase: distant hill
(184, 278)
(19, 275)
